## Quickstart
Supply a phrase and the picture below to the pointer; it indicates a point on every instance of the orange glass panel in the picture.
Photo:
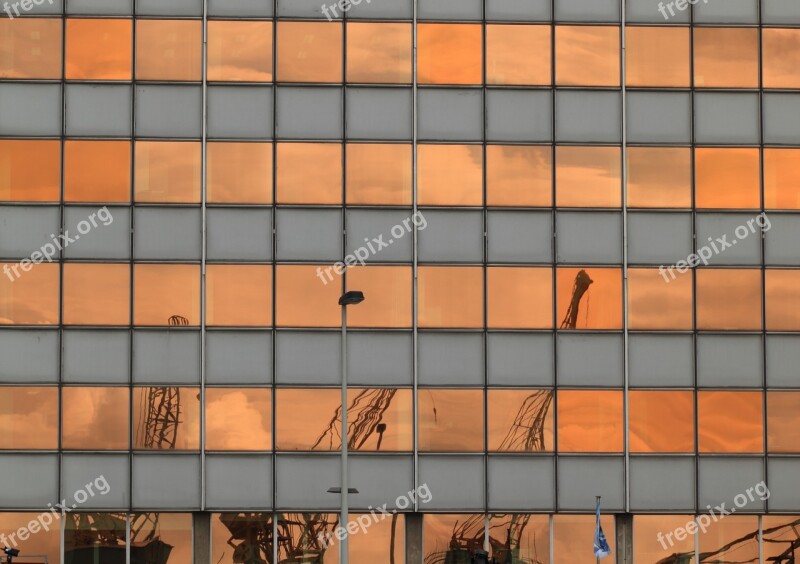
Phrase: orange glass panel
(388, 292)
(732, 539)
(568, 528)
(590, 421)
(780, 535)
(238, 419)
(520, 298)
(162, 291)
(396, 414)
(725, 57)
(450, 175)
(730, 421)
(450, 420)
(30, 48)
(450, 296)
(781, 178)
(309, 51)
(308, 419)
(304, 299)
(97, 171)
(385, 542)
(99, 49)
(184, 434)
(519, 175)
(30, 171)
(28, 417)
(379, 174)
(783, 300)
(531, 543)
(29, 293)
(169, 50)
(588, 176)
(46, 543)
(781, 56)
(783, 418)
(656, 301)
(438, 532)
(379, 52)
(587, 55)
(239, 295)
(659, 177)
(97, 294)
(239, 51)
(518, 54)
(239, 173)
(661, 421)
(658, 56)
(174, 530)
(728, 299)
(646, 544)
(727, 178)
(259, 525)
(309, 173)
(449, 53)
(95, 418)
(600, 307)
(301, 533)
(168, 172)
(520, 420)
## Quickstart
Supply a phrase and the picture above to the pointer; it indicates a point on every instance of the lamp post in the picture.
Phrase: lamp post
(348, 298)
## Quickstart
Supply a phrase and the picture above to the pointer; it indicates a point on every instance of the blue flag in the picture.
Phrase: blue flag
(601, 548)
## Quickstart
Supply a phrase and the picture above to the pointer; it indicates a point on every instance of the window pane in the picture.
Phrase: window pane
(300, 534)
(450, 296)
(783, 300)
(95, 418)
(656, 301)
(505, 44)
(309, 51)
(587, 55)
(520, 298)
(646, 545)
(388, 296)
(450, 420)
(449, 53)
(590, 421)
(379, 174)
(575, 290)
(569, 532)
(658, 56)
(46, 543)
(661, 421)
(781, 178)
(28, 418)
(239, 295)
(239, 51)
(309, 173)
(588, 177)
(728, 299)
(168, 172)
(308, 419)
(725, 57)
(379, 52)
(30, 48)
(165, 531)
(241, 537)
(659, 177)
(783, 417)
(730, 421)
(376, 547)
(166, 418)
(239, 173)
(302, 300)
(780, 537)
(97, 294)
(520, 535)
(91, 537)
(162, 291)
(520, 420)
(727, 178)
(781, 58)
(97, 171)
(450, 175)
(238, 419)
(452, 538)
(29, 294)
(519, 175)
(169, 49)
(732, 539)
(30, 171)
(99, 49)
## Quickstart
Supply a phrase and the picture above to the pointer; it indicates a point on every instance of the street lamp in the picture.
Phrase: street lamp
(353, 297)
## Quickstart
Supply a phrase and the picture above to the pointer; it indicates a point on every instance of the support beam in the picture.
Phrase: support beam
(202, 538)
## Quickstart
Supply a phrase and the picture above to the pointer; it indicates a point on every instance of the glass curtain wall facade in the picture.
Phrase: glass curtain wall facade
(574, 222)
